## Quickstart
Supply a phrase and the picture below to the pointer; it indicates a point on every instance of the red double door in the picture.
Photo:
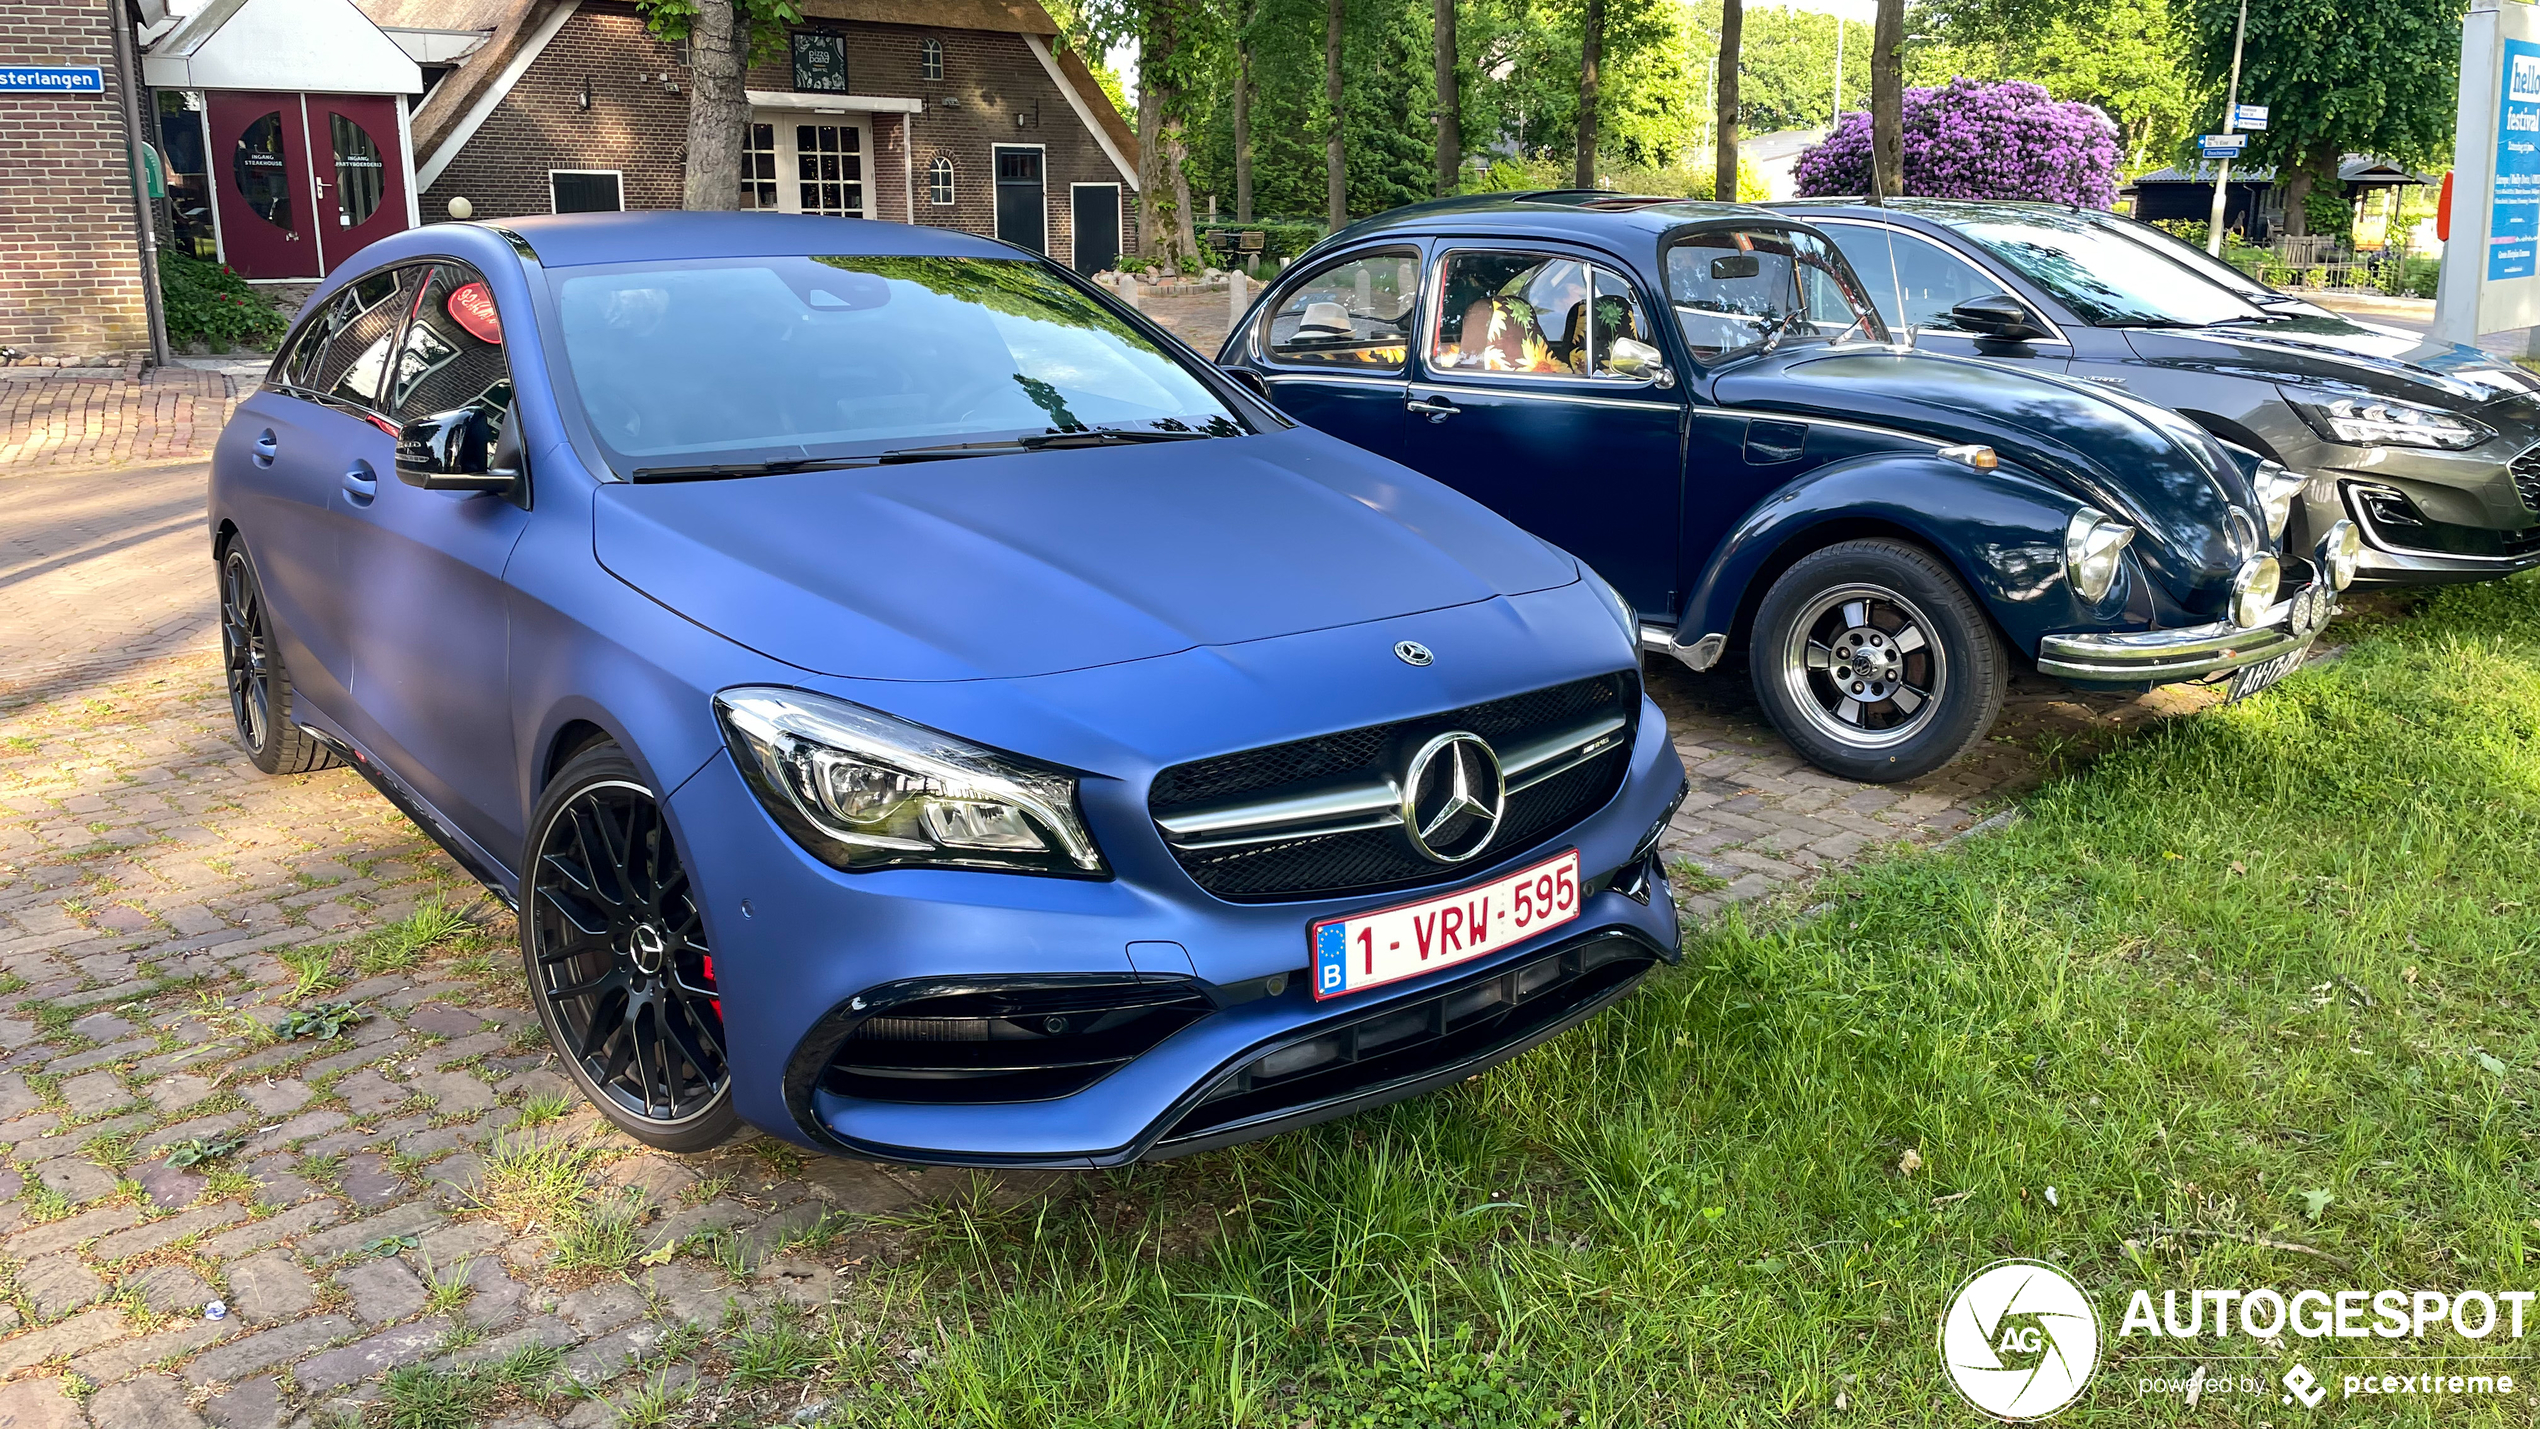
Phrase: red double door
(303, 181)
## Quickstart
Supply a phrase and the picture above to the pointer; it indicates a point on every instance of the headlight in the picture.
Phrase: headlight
(2277, 487)
(1622, 610)
(863, 791)
(2378, 422)
(2253, 590)
(2341, 551)
(2092, 544)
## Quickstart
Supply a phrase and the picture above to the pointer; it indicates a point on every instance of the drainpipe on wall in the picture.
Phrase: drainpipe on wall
(144, 232)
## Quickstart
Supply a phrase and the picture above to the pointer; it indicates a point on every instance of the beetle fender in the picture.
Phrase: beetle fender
(2001, 530)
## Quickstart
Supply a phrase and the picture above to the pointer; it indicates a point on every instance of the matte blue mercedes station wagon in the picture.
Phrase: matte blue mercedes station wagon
(917, 708)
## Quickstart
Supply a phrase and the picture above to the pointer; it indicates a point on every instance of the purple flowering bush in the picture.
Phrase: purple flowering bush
(1982, 141)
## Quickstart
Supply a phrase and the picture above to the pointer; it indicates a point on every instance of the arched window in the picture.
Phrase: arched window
(930, 58)
(939, 180)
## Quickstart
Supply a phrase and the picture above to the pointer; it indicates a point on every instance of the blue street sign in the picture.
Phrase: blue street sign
(2222, 146)
(2249, 116)
(51, 79)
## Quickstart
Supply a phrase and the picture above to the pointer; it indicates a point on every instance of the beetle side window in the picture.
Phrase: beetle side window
(1354, 314)
(344, 353)
(1929, 278)
(452, 356)
(1533, 315)
(1739, 289)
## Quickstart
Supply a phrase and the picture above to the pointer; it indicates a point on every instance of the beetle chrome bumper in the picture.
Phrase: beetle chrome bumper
(2194, 652)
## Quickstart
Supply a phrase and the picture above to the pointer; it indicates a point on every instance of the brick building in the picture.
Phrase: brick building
(960, 113)
(70, 252)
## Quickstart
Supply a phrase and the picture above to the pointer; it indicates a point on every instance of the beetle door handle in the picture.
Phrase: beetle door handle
(266, 448)
(1436, 409)
(361, 484)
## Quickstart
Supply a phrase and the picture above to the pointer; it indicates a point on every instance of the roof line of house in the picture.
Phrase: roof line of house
(437, 137)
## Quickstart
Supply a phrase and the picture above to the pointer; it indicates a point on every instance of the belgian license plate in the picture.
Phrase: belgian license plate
(1386, 945)
(2249, 679)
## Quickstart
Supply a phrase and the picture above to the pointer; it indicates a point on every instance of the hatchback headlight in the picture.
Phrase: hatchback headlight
(2379, 422)
(2277, 487)
(2092, 545)
(2253, 590)
(862, 790)
(1620, 608)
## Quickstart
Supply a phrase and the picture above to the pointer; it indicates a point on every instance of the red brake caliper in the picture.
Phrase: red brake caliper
(718, 1002)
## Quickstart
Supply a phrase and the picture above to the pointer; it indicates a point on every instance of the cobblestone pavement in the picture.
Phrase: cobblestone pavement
(411, 1190)
(64, 417)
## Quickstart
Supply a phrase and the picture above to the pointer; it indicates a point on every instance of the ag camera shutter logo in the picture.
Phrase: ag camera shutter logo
(2020, 1340)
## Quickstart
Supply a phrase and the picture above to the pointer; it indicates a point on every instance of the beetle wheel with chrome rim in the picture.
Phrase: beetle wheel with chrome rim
(617, 958)
(261, 700)
(1875, 662)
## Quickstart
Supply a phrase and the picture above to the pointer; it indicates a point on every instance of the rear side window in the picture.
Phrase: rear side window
(1354, 314)
(1529, 314)
(452, 355)
(343, 354)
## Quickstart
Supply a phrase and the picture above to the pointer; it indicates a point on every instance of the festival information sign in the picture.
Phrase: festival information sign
(2513, 232)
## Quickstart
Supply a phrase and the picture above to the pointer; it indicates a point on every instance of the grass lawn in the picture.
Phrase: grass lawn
(2261, 975)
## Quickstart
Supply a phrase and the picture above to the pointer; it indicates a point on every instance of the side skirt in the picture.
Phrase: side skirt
(480, 865)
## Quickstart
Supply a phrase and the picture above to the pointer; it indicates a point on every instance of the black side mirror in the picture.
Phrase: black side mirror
(1999, 316)
(454, 451)
(1248, 380)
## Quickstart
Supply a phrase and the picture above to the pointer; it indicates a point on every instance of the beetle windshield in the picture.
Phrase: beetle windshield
(1745, 290)
(2107, 279)
(756, 362)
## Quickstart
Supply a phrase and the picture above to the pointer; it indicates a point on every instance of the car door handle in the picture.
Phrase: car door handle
(1436, 409)
(267, 448)
(361, 484)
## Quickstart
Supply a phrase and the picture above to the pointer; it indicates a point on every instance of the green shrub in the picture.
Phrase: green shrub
(209, 304)
(2328, 215)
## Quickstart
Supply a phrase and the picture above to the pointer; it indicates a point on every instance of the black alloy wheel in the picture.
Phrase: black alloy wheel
(1874, 661)
(617, 959)
(260, 695)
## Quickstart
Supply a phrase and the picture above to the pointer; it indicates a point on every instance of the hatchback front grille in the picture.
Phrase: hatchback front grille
(1400, 1045)
(2526, 470)
(1013, 1044)
(1318, 817)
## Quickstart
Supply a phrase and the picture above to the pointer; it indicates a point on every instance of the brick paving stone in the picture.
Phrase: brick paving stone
(101, 1027)
(599, 1308)
(83, 1331)
(92, 1092)
(174, 1093)
(69, 1231)
(245, 1356)
(168, 1186)
(39, 1404)
(58, 1284)
(455, 1092)
(402, 1344)
(409, 1219)
(144, 1238)
(269, 1287)
(171, 1289)
(275, 1098)
(381, 1290)
(369, 1182)
(255, 1404)
(75, 1180)
(149, 1401)
(299, 1220)
(127, 1357)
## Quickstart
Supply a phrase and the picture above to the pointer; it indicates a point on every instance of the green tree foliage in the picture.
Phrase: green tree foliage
(2128, 57)
(1786, 70)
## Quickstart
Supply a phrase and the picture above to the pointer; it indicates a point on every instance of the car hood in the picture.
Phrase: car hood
(2141, 463)
(1034, 563)
(2335, 353)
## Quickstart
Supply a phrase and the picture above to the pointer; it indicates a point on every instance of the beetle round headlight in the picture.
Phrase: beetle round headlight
(2341, 551)
(2253, 590)
(2092, 545)
(2277, 488)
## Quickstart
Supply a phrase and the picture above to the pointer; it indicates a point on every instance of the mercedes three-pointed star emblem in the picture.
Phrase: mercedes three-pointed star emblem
(1453, 796)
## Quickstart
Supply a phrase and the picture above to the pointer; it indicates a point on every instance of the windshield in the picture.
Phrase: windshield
(2188, 255)
(777, 360)
(2109, 280)
(1743, 290)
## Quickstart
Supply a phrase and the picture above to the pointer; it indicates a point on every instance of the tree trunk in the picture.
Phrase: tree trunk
(1887, 101)
(1335, 155)
(1591, 51)
(1450, 105)
(718, 107)
(1724, 98)
(1157, 38)
(1176, 163)
(2302, 176)
(1243, 113)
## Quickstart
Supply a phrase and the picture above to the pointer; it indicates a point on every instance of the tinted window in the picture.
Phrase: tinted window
(1355, 313)
(2110, 281)
(1526, 313)
(1737, 289)
(767, 359)
(343, 352)
(452, 356)
(1927, 277)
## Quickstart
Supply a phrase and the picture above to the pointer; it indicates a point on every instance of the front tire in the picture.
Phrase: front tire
(1875, 662)
(261, 699)
(616, 955)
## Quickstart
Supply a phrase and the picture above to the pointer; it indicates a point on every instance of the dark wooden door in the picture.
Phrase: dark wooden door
(1022, 208)
(361, 176)
(260, 179)
(1096, 223)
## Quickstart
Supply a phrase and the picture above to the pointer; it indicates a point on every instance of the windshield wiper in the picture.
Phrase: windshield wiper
(718, 471)
(1042, 441)
(1106, 436)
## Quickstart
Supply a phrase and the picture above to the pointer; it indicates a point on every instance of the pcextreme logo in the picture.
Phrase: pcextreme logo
(2020, 1340)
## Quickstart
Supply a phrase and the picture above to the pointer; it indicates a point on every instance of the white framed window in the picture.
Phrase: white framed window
(939, 181)
(758, 166)
(829, 169)
(585, 191)
(930, 59)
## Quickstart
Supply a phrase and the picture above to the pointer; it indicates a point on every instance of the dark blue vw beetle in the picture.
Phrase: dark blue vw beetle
(1879, 529)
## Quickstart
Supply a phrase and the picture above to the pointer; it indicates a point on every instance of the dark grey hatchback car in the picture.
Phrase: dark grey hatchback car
(2433, 451)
